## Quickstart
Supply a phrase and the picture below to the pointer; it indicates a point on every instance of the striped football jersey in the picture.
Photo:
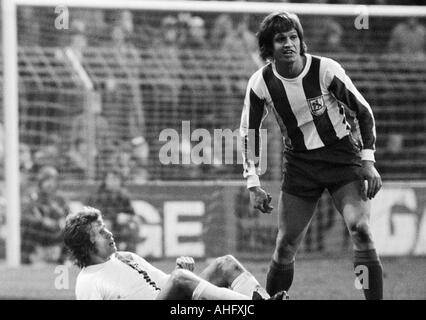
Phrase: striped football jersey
(310, 110)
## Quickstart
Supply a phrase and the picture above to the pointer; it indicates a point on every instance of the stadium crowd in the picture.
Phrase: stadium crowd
(176, 78)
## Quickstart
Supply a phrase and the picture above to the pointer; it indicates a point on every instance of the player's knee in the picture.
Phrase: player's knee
(286, 247)
(360, 232)
(228, 266)
(183, 282)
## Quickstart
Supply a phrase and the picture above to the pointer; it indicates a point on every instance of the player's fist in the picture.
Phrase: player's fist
(186, 263)
(260, 199)
(372, 182)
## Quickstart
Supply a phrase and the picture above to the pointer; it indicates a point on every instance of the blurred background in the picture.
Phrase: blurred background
(98, 86)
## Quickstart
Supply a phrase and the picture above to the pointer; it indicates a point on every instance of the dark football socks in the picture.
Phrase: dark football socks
(368, 262)
(279, 277)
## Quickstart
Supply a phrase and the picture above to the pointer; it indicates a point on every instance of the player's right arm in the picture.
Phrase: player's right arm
(254, 112)
(260, 199)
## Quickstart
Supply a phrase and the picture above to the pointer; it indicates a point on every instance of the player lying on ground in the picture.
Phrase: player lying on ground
(308, 95)
(108, 274)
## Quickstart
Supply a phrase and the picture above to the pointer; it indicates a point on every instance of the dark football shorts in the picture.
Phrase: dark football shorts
(309, 173)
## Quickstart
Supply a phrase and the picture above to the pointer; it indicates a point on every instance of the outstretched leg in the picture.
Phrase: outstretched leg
(185, 285)
(356, 212)
(228, 272)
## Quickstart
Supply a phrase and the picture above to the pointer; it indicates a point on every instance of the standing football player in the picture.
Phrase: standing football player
(307, 95)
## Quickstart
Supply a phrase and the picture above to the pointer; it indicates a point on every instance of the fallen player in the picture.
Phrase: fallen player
(109, 275)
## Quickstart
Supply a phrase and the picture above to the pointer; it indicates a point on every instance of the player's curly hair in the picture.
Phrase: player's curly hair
(274, 23)
(77, 235)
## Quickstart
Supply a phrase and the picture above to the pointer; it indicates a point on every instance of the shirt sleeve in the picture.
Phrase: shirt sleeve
(254, 112)
(126, 202)
(342, 88)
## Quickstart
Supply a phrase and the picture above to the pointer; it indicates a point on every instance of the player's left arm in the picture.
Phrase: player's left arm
(343, 89)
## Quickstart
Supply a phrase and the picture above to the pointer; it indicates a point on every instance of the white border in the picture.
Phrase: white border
(237, 7)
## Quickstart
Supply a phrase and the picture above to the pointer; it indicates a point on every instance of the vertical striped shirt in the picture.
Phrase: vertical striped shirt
(309, 110)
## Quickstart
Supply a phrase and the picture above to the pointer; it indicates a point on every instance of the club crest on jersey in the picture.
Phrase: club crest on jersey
(317, 105)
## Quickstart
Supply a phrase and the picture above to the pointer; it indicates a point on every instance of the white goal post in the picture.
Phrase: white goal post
(10, 67)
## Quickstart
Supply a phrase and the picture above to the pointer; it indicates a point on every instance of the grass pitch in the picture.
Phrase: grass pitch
(405, 278)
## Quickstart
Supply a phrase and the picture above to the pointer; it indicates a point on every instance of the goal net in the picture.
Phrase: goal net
(99, 83)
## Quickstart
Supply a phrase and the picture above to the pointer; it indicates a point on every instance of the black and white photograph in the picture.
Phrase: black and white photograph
(251, 153)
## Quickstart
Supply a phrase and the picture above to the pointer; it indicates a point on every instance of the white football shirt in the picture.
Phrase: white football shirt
(115, 279)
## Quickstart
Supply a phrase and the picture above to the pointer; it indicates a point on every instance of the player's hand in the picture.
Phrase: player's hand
(372, 182)
(260, 199)
(186, 263)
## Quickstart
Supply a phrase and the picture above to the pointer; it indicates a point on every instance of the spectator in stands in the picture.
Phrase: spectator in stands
(25, 157)
(122, 101)
(331, 36)
(168, 41)
(249, 40)
(167, 51)
(93, 129)
(94, 20)
(394, 152)
(26, 164)
(183, 29)
(233, 42)
(48, 154)
(408, 38)
(120, 159)
(78, 40)
(29, 25)
(169, 32)
(130, 159)
(223, 32)
(122, 30)
(77, 162)
(233, 39)
(114, 202)
(196, 38)
(198, 88)
(43, 217)
(395, 143)
(140, 161)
